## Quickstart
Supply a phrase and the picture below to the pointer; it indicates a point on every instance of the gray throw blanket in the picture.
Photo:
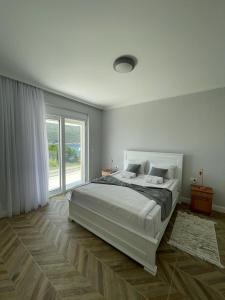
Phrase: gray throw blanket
(161, 196)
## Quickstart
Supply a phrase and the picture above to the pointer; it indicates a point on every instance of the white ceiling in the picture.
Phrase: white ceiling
(69, 46)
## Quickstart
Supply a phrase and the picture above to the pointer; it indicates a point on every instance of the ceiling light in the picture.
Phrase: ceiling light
(124, 64)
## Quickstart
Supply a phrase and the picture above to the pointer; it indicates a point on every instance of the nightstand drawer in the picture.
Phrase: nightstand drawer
(201, 198)
(107, 172)
(201, 204)
(201, 195)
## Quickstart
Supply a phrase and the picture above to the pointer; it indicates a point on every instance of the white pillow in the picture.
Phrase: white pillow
(142, 167)
(154, 179)
(129, 175)
(170, 174)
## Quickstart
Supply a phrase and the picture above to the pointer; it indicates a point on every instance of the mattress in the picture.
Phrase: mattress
(124, 205)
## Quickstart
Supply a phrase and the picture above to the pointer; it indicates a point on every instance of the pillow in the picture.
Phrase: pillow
(141, 163)
(128, 175)
(158, 172)
(154, 179)
(134, 168)
(171, 173)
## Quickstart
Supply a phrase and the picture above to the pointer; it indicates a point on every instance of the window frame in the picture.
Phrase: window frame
(58, 190)
(82, 142)
(62, 115)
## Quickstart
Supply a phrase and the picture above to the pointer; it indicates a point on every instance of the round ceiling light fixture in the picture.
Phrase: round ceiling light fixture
(125, 64)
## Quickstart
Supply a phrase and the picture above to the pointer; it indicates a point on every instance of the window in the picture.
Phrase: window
(73, 152)
(66, 149)
(53, 130)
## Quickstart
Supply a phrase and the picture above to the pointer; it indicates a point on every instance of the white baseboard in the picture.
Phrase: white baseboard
(215, 207)
(185, 199)
(218, 208)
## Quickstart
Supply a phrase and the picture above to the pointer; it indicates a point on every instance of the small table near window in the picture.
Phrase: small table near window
(106, 172)
(201, 198)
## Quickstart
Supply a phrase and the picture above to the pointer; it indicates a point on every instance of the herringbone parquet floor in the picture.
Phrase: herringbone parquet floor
(45, 256)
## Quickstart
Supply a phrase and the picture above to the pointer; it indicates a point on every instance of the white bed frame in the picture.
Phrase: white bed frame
(139, 247)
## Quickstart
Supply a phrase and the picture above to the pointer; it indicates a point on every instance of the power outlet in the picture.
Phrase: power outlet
(193, 180)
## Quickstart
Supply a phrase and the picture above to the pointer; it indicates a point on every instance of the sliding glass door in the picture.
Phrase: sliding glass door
(73, 152)
(66, 153)
(53, 132)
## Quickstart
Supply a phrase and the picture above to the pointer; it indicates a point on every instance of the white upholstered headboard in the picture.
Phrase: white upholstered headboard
(156, 157)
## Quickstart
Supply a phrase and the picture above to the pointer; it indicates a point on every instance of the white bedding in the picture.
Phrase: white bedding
(141, 180)
(124, 205)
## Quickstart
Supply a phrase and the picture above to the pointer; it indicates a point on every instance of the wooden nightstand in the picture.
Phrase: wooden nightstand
(201, 199)
(106, 172)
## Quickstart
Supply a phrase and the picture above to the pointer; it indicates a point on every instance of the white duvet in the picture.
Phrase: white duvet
(124, 205)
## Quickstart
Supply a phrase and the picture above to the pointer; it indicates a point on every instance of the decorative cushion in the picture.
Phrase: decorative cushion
(134, 168)
(158, 172)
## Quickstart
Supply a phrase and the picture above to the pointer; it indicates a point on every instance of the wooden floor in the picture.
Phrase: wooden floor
(45, 256)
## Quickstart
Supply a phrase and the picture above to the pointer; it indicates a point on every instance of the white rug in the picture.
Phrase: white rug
(196, 236)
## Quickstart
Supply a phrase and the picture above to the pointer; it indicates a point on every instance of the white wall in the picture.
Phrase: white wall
(95, 128)
(193, 125)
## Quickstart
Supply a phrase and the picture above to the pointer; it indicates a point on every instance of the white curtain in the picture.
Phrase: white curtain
(23, 148)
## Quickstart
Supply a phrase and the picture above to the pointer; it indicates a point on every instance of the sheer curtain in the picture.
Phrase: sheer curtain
(23, 148)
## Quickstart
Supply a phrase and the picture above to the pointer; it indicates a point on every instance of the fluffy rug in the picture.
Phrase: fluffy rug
(197, 237)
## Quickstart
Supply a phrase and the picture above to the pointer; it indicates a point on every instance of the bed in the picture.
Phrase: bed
(123, 217)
